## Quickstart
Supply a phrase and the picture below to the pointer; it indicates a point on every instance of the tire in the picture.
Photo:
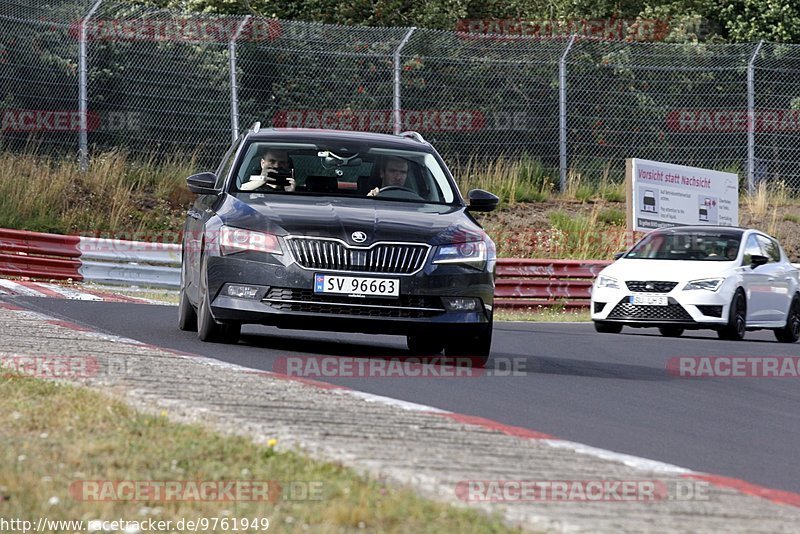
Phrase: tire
(187, 315)
(791, 332)
(737, 319)
(671, 331)
(424, 344)
(476, 348)
(607, 328)
(208, 329)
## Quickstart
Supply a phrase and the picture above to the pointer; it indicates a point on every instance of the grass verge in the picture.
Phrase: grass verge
(55, 435)
(115, 196)
(544, 315)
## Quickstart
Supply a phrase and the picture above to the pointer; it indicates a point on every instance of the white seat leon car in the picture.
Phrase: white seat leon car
(691, 277)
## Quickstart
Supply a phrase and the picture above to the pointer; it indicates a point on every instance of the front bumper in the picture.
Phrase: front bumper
(690, 309)
(286, 299)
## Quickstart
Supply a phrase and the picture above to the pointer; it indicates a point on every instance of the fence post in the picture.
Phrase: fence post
(234, 88)
(397, 68)
(751, 120)
(562, 115)
(83, 98)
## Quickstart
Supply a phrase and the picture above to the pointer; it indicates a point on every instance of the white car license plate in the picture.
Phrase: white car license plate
(649, 300)
(356, 285)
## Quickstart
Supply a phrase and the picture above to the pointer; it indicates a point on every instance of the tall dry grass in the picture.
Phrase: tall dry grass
(598, 235)
(117, 193)
(522, 180)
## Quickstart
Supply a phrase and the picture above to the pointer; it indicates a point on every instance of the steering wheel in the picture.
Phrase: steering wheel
(399, 189)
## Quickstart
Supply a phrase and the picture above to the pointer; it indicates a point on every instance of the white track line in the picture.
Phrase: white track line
(19, 289)
(636, 462)
(70, 292)
(405, 405)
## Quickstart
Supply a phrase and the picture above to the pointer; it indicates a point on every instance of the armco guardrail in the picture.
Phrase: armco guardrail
(526, 283)
(59, 257)
(533, 283)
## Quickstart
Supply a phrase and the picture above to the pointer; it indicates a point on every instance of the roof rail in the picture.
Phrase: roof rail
(416, 136)
(255, 127)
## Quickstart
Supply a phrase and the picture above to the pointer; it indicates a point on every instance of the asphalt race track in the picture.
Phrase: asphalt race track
(609, 391)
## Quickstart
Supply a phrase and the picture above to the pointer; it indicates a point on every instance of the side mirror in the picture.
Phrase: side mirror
(480, 200)
(757, 260)
(203, 183)
(618, 255)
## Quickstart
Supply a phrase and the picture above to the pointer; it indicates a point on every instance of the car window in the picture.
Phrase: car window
(771, 248)
(226, 164)
(319, 170)
(751, 248)
(694, 245)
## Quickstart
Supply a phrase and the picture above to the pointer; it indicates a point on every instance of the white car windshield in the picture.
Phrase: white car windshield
(694, 245)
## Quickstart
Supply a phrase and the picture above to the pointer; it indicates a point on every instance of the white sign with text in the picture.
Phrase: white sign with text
(663, 194)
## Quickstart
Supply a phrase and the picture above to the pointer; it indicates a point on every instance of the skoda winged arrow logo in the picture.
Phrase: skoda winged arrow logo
(359, 237)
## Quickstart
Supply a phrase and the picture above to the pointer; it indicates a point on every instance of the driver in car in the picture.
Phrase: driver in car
(393, 172)
(274, 163)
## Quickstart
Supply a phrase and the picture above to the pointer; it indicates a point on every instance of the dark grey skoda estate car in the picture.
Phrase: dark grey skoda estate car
(338, 231)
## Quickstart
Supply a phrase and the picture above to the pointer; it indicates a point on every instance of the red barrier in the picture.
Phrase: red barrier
(521, 283)
(535, 283)
(40, 267)
(37, 255)
(62, 246)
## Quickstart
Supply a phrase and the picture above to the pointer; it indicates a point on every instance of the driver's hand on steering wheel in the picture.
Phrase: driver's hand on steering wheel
(374, 192)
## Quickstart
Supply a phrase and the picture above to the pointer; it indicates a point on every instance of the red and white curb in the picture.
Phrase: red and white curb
(635, 462)
(25, 288)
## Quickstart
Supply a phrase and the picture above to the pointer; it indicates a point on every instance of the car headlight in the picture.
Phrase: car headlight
(709, 284)
(232, 240)
(472, 253)
(607, 281)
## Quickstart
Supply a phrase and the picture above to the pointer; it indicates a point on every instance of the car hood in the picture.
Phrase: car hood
(667, 270)
(434, 224)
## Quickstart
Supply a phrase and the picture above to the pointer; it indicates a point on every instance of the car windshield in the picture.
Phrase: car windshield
(694, 245)
(367, 172)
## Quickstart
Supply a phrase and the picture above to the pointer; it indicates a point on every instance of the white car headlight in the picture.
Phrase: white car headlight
(709, 284)
(232, 240)
(607, 281)
(473, 253)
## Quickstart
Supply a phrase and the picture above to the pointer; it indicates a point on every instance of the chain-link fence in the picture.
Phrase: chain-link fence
(83, 76)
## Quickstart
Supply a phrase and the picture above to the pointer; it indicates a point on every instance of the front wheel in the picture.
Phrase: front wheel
(791, 332)
(671, 331)
(425, 344)
(208, 329)
(737, 319)
(607, 328)
(187, 315)
(475, 348)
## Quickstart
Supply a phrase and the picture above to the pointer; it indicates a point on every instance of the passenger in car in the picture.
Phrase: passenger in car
(276, 172)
